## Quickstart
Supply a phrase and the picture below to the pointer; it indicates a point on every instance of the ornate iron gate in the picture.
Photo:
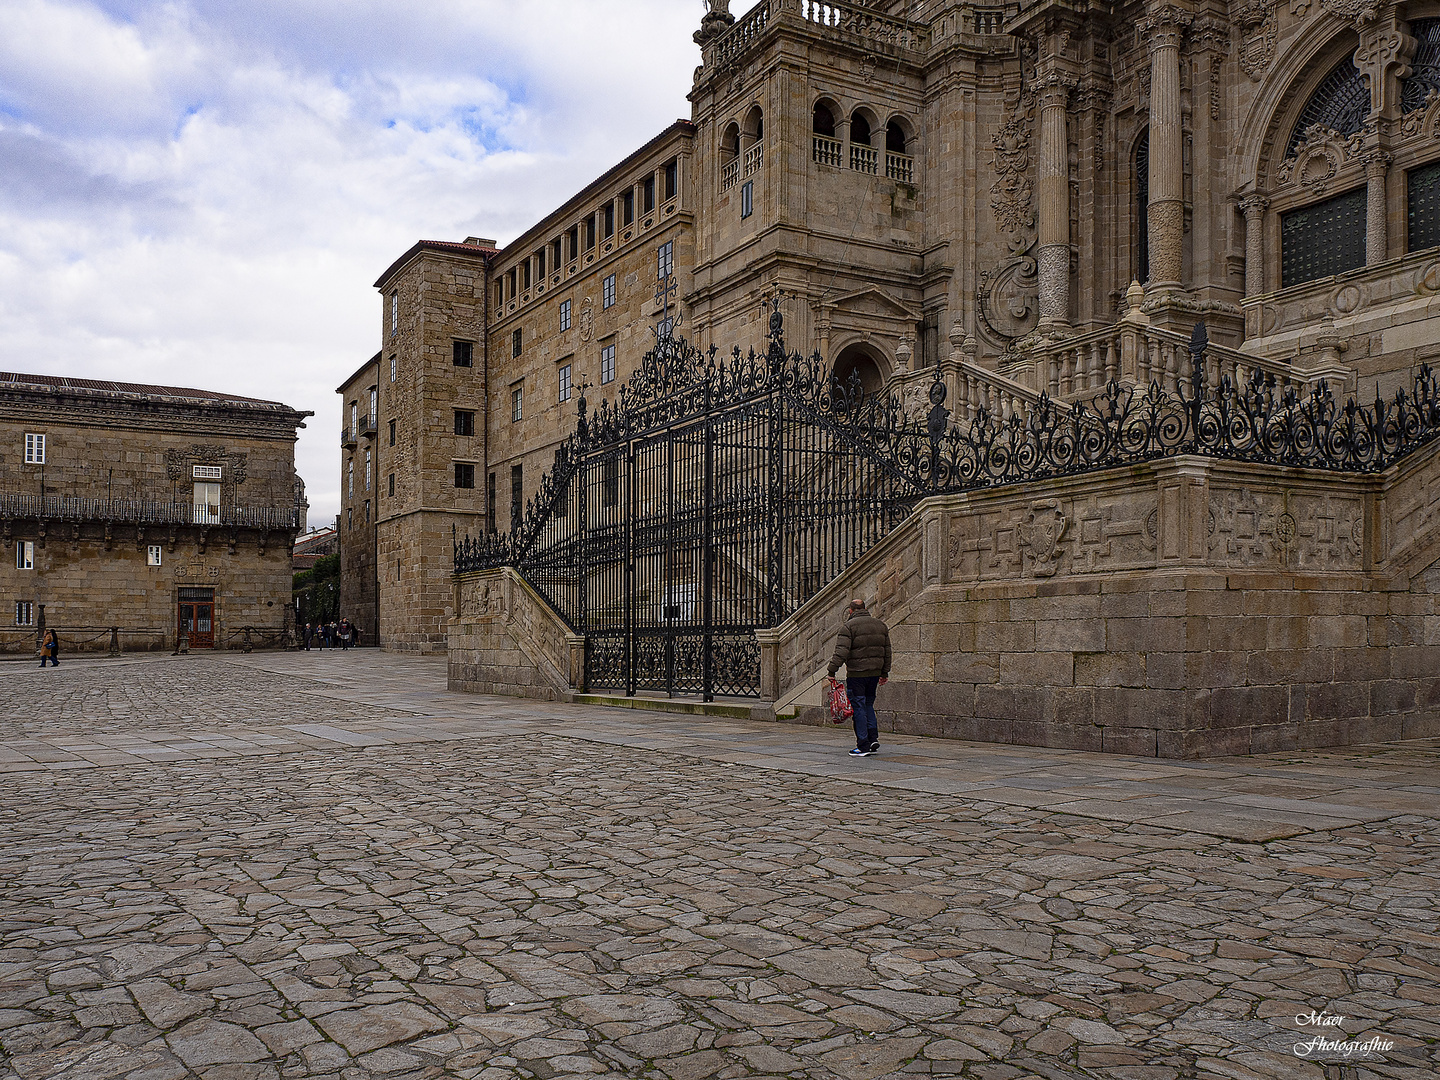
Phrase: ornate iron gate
(716, 495)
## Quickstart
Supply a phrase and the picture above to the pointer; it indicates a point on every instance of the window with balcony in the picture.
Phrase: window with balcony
(825, 148)
(207, 504)
(863, 156)
(899, 161)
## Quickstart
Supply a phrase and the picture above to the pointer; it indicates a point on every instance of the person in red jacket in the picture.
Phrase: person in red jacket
(863, 647)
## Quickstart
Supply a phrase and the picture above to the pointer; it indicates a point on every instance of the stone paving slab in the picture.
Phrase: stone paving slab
(388, 880)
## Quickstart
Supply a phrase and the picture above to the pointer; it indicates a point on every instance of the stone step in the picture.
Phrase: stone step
(734, 711)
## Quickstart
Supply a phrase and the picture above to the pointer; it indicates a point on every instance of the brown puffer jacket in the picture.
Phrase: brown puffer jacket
(863, 646)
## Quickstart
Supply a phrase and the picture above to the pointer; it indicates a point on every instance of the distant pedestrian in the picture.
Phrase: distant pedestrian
(355, 636)
(306, 636)
(50, 649)
(863, 647)
(344, 633)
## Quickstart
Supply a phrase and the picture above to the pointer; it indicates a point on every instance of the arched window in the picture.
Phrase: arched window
(895, 138)
(859, 130)
(856, 372)
(1341, 102)
(730, 157)
(824, 121)
(1142, 207)
(1425, 68)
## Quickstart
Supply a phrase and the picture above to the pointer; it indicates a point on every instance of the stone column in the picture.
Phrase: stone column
(1163, 28)
(1377, 168)
(1253, 207)
(1053, 199)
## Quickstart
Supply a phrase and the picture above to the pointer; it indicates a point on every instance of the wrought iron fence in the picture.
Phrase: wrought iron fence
(718, 493)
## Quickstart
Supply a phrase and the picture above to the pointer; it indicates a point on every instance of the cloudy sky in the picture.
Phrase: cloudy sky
(201, 192)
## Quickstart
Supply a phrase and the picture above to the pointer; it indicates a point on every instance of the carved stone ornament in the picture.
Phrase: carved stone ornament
(178, 462)
(587, 319)
(1356, 11)
(1318, 158)
(1040, 535)
(1007, 295)
(1426, 118)
(1257, 24)
(1012, 191)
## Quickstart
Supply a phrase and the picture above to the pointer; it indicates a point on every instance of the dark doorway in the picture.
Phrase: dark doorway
(197, 617)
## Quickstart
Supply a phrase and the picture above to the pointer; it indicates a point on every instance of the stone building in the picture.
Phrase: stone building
(1021, 199)
(134, 511)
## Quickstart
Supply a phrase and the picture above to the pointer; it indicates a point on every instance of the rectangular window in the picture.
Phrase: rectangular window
(394, 312)
(25, 555)
(607, 292)
(672, 179)
(464, 422)
(500, 293)
(24, 613)
(464, 474)
(557, 254)
(517, 495)
(517, 404)
(350, 479)
(575, 242)
(525, 275)
(1324, 239)
(392, 369)
(608, 215)
(207, 504)
(354, 418)
(627, 208)
(564, 315)
(462, 353)
(490, 502)
(607, 364)
(155, 556)
(367, 511)
(515, 343)
(374, 408)
(564, 382)
(648, 193)
(34, 449)
(1423, 192)
(540, 264)
(747, 198)
(392, 432)
(367, 470)
(589, 233)
(349, 517)
(207, 472)
(665, 260)
(390, 486)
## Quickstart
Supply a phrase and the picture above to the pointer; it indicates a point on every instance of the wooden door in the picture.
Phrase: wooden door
(197, 618)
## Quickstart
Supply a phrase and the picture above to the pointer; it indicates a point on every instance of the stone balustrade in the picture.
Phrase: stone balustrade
(754, 158)
(827, 151)
(900, 167)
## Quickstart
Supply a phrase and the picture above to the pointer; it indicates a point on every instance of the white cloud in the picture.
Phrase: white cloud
(202, 192)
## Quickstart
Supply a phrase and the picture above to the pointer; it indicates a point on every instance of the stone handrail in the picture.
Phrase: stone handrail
(978, 387)
(741, 36)
(848, 18)
(1138, 353)
(146, 512)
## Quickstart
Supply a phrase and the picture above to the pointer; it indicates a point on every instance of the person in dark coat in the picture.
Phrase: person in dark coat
(50, 649)
(308, 631)
(863, 647)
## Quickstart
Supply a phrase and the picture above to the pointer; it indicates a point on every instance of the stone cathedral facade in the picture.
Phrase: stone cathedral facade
(1028, 198)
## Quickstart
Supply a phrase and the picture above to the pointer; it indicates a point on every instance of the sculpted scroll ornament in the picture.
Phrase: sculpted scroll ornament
(1425, 118)
(587, 319)
(1318, 158)
(1007, 295)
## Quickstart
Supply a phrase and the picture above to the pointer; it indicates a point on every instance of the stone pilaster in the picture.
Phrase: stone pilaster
(1377, 168)
(1163, 29)
(1253, 207)
(1053, 198)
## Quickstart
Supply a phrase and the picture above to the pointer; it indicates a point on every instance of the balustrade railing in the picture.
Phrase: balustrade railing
(978, 387)
(864, 159)
(900, 167)
(1145, 354)
(862, 22)
(827, 151)
(754, 158)
(742, 35)
(988, 20)
(145, 512)
(729, 174)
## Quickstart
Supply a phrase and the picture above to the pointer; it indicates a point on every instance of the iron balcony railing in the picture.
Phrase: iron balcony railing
(146, 512)
(367, 426)
(347, 436)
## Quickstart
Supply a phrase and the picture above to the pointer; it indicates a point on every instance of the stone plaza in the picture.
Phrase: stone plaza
(246, 867)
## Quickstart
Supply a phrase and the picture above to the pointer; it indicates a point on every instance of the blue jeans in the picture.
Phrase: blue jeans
(862, 699)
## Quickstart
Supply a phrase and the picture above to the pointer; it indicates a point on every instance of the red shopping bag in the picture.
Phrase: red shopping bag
(840, 708)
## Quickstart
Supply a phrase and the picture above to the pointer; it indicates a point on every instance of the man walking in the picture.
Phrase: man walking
(863, 646)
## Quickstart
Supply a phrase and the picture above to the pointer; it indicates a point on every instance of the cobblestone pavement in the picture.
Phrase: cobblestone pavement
(282, 865)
